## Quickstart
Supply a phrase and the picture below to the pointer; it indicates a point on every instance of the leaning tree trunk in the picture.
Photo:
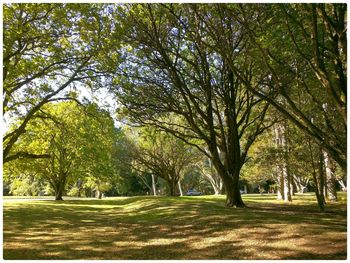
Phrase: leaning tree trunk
(180, 189)
(216, 189)
(216, 183)
(343, 185)
(317, 179)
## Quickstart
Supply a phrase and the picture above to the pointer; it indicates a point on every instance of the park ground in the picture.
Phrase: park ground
(174, 228)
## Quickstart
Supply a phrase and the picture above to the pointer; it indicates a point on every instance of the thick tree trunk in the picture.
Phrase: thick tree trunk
(59, 188)
(233, 194)
(58, 196)
(233, 197)
(59, 192)
(172, 187)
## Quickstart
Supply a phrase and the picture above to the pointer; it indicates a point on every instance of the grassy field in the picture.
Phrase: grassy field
(174, 228)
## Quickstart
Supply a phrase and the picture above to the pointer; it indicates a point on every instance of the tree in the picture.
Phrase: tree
(301, 47)
(207, 170)
(172, 69)
(48, 50)
(127, 181)
(72, 136)
(162, 155)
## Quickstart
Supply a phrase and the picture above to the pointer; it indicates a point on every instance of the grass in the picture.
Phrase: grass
(174, 228)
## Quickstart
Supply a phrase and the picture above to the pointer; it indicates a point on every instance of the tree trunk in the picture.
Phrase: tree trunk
(79, 183)
(233, 197)
(286, 172)
(59, 190)
(321, 175)
(287, 190)
(280, 183)
(343, 185)
(318, 187)
(293, 184)
(58, 196)
(154, 189)
(216, 189)
(172, 187)
(221, 187)
(213, 177)
(299, 184)
(330, 179)
(245, 189)
(98, 194)
(319, 194)
(233, 194)
(217, 185)
(180, 190)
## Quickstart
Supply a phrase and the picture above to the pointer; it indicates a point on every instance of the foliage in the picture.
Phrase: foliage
(161, 154)
(49, 50)
(72, 136)
(205, 82)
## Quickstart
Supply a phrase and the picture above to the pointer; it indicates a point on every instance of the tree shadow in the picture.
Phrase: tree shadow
(171, 228)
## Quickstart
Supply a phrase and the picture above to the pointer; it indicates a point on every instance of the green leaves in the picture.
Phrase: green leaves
(78, 139)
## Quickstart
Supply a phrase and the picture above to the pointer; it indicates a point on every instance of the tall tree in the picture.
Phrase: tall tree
(172, 70)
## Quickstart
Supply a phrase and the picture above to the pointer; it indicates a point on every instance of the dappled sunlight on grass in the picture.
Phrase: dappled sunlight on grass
(174, 228)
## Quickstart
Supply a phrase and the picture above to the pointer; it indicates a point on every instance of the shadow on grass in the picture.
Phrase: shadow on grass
(172, 228)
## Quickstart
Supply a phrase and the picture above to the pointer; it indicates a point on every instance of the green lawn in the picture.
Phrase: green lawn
(174, 228)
